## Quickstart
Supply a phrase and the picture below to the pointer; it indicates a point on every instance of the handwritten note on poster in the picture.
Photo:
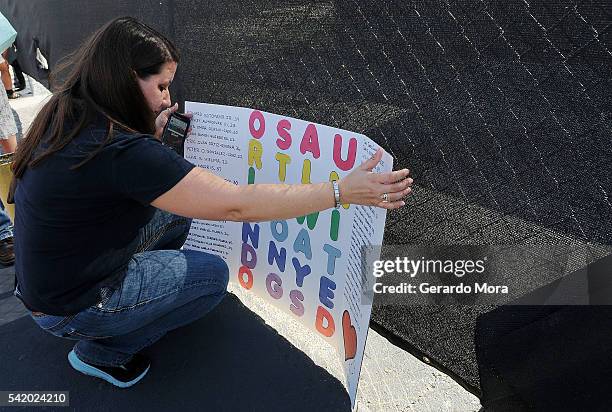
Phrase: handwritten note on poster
(310, 266)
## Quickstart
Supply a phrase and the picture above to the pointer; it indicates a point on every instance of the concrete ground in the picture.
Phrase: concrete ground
(391, 379)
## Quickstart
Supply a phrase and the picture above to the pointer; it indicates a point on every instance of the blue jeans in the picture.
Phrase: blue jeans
(164, 288)
(6, 227)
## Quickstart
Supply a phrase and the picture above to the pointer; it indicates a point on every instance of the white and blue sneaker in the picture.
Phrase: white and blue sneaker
(122, 376)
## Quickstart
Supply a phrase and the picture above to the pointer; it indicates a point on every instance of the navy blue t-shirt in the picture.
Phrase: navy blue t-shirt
(75, 230)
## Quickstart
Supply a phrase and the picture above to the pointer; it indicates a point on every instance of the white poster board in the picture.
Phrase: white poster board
(309, 267)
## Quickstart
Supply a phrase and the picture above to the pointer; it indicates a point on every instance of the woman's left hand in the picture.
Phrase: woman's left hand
(162, 119)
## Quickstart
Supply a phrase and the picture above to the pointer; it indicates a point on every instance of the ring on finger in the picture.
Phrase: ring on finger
(385, 197)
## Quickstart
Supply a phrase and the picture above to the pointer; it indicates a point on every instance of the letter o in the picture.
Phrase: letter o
(259, 132)
(248, 283)
(283, 234)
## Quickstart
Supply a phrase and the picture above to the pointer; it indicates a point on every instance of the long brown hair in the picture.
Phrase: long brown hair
(101, 79)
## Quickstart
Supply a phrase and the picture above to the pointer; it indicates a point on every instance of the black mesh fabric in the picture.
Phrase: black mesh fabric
(502, 110)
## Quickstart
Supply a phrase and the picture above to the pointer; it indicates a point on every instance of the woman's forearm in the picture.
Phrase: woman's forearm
(263, 202)
(204, 195)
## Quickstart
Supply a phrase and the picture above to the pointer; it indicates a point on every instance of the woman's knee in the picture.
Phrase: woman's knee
(221, 270)
(211, 267)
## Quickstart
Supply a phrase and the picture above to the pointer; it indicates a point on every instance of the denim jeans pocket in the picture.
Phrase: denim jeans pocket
(106, 293)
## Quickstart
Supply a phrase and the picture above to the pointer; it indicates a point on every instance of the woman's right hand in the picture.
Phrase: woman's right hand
(364, 187)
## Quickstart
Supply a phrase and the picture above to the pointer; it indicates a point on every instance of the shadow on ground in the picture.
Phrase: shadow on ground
(229, 360)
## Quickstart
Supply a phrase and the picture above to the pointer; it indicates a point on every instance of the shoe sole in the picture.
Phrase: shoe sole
(86, 369)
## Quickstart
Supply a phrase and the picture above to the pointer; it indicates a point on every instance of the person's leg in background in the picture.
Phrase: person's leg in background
(8, 127)
(5, 74)
(164, 288)
(9, 144)
(11, 58)
(20, 81)
(8, 141)
(7, 80)
(7, 255)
